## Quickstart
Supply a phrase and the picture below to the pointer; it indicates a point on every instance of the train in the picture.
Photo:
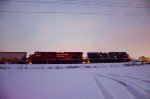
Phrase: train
(40, 57)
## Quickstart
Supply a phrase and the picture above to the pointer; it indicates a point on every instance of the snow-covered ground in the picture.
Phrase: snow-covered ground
(70, 81)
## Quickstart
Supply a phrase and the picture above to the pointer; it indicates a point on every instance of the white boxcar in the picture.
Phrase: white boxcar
(13, 57)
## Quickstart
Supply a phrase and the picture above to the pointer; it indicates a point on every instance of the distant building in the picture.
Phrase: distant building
(144, 59)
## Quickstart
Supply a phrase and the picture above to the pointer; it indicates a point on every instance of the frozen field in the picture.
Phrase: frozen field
(92, 81)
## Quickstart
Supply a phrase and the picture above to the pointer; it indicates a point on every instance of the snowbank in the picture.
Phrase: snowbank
(66, 66)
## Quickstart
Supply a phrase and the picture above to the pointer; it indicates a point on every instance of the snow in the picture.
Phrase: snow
(82, 81)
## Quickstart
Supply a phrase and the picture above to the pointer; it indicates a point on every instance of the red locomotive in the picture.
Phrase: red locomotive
(55, 57)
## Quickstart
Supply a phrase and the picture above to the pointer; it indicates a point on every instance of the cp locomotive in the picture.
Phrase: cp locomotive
(55, 58)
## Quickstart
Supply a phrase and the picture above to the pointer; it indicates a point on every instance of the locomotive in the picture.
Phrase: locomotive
(110, 57)
(55, 58)
(62, 57)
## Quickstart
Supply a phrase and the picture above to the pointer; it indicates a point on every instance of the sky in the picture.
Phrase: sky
(76, 25)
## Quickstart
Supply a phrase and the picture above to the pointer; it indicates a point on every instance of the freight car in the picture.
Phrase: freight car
(55, 58)
(13, 57)
(110, 57)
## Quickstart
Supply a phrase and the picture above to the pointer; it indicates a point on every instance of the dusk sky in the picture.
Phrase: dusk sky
(76, 25)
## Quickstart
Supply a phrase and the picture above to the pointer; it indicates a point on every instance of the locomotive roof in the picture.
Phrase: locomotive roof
(56, 52)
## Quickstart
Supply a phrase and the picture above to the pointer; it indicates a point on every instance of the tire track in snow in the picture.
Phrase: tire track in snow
(129, 88)
(104, 91)
(141, 79)
(120, 77)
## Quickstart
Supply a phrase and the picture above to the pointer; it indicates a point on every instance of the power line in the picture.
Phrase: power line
(61, 12)
(100, 3)
(81, 1)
